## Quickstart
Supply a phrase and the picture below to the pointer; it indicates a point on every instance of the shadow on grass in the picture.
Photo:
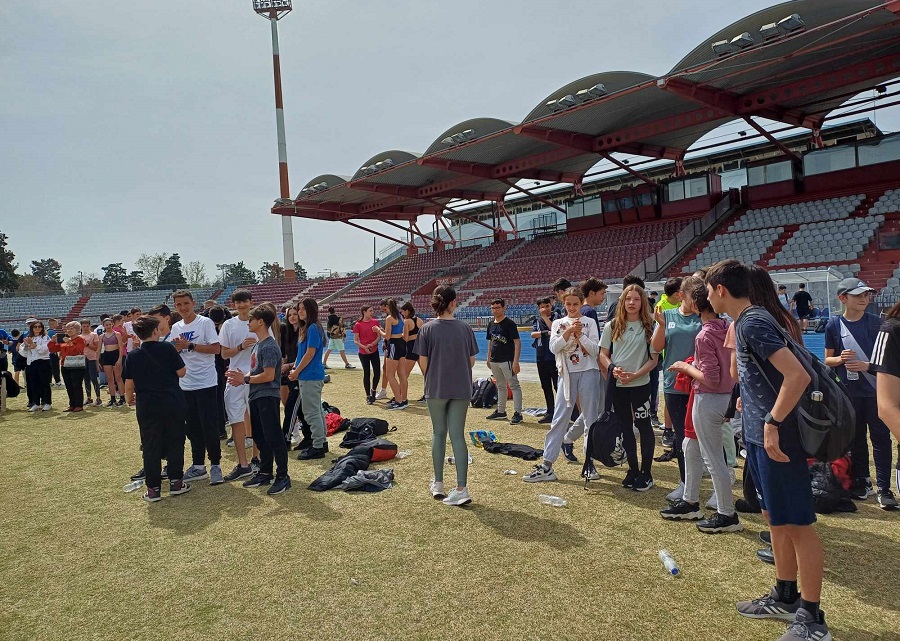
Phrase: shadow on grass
(855, 634)
(858, 560)
(197, 510)
(520, 526)
(305, 502)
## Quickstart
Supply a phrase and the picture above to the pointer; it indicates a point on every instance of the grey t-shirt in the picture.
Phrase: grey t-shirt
(630, 352)
(447, 344)
(265, 354)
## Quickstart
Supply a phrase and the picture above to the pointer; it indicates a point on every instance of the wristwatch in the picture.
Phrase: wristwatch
(247, 380)
(768, 418)
(191, 347)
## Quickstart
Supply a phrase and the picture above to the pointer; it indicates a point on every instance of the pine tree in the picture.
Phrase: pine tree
(172, 273)
(9, 280)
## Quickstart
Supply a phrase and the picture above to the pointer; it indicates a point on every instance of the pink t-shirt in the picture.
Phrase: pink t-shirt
(367, 333)
(91, 345)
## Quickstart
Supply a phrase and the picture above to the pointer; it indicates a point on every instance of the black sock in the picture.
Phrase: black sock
(812, 607)
(787, 591)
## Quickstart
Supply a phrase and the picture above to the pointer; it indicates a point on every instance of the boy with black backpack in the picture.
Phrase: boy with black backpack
(775, 455)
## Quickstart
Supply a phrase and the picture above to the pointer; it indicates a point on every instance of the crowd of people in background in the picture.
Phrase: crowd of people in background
(719, 332)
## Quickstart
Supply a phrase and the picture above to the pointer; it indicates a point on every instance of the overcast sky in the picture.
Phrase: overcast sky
(132, 127)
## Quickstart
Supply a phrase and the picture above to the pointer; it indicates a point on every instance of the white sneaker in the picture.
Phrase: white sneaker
(677, 494)
(712, 503)
(540, 474)
(46, 407)
(381, 394)
(458, 497)
(34, 408)
(248, 442)
(437, 490)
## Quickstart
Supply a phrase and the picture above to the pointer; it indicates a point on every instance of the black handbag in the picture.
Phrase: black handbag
(604, 437)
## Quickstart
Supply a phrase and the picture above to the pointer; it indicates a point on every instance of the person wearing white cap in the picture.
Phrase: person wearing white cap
(849, 346)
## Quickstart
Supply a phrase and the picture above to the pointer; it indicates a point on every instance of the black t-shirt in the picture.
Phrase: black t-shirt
(501, 335)
(803, 301)
(333, 319)
(153, 367)
(886, 354)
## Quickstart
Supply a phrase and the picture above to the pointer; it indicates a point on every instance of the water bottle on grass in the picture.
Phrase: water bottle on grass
(669, 561)
(555, 501)
(134, 485)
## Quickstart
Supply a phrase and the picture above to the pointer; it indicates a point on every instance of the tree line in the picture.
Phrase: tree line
(150, 271)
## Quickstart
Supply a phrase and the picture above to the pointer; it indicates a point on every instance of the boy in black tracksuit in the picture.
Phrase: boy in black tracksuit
(152, 370)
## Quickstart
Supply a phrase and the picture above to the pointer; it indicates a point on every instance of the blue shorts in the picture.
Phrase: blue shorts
(784, 489)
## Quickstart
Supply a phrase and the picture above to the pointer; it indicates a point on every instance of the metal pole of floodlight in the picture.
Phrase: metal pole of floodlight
(273, 11)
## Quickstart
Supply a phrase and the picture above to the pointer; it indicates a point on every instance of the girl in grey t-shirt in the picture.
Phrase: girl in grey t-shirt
(446, 349)
(632, 359)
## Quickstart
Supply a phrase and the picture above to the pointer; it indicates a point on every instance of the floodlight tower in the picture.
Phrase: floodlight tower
(273, 11)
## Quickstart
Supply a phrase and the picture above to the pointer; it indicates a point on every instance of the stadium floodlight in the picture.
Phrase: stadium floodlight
(284, 201)
(384, 164)
(321, 186)
(742, 41)
(598, 90)
(554, 106)
(723, 48)
(791, 24)
(769, 31)
(567, 101)
(469, 134)
(265, 7)
(448, 141)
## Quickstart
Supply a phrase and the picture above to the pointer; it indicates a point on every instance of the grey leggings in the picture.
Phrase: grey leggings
(449, 415)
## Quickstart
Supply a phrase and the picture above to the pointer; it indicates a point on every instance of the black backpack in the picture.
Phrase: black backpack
(364, 429)
(826, 427)
(484, 393)
(604, 437)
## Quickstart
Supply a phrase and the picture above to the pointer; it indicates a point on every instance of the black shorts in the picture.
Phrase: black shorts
(19, 363)
(410, 351)
(110, 358)
(396, 349)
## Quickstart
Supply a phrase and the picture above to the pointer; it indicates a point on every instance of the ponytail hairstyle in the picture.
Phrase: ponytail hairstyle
(311, 307)
(621, 319)
(441, 298)
(408, 307)
(762, 293)
(276, 324)
(694, 287)
(895, 311)
(393, 310)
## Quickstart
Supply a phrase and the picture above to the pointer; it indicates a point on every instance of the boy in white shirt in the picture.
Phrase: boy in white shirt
(575, 341)
(237, 341)
(196, 339)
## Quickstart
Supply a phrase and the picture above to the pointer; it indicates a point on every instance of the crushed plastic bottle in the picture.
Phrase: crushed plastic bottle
(403, 454)
(555, 501)
(452, 459)
(669, 561)
(134, 485)
(510, 472)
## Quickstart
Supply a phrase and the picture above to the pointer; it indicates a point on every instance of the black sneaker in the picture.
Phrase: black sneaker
(642, 483)
(743, 505)
(422, 400)
(682, 511)
(765, 537)
(303, 445)
(392, 404)
(628, 481)
(239, 473)
(546, 419)
(178, 487)
(568, 452)
(399, 406)
(152, 495)
(665, 457)
(516, 419)
(370, 399)
(886, 500)
(719, 523)
(861, 489)
(258, 480)
(121, 401)
(280, 486)
(312, 453)
(112, 402)
(668, 438)
(140, 476)
(766, 556)
(496, 416)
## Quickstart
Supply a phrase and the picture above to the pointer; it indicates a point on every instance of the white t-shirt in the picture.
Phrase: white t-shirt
(201, 368)
(234, 331)
(129, 331)
(580, 355)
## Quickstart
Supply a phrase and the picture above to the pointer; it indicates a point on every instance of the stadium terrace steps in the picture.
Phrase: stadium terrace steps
(76, 309)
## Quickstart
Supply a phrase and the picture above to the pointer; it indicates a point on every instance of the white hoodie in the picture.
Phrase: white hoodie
(36, 353)
(574, 355)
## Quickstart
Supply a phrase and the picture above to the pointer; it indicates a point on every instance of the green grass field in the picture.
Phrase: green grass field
(83, 560)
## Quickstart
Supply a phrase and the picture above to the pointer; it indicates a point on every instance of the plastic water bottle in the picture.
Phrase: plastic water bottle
(555, 501)
(452, 459)
(134, 485)
(510, 472)
(669, 561)
(403, 454)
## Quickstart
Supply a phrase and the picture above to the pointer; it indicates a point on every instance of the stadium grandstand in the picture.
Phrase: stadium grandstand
(759, 144)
